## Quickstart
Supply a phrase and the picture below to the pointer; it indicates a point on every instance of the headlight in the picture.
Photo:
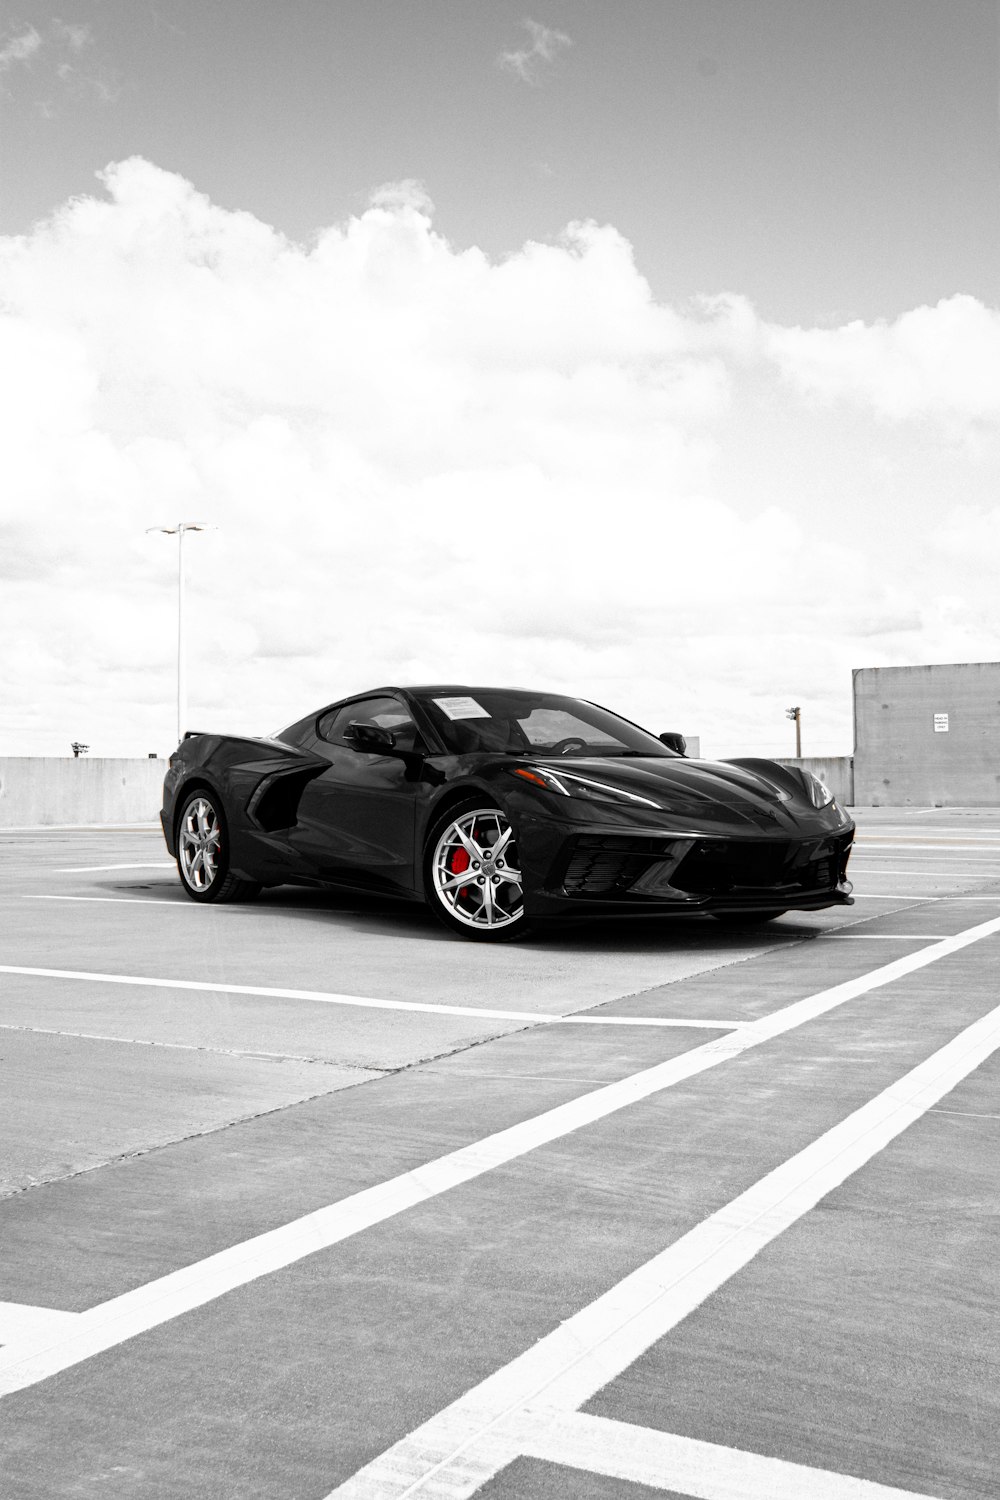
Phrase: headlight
(568, 784)
(820, 794)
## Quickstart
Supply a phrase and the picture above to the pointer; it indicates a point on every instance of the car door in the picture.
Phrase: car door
(356, 820)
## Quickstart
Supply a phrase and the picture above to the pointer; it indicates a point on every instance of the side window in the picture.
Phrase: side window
(388, 713)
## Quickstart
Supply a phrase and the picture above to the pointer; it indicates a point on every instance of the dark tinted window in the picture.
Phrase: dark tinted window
(387, 713)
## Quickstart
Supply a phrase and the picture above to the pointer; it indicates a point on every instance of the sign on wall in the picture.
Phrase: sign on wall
(940, 723)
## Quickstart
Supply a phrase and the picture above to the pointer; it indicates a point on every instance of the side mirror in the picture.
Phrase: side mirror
(674, 741)
(364, 734)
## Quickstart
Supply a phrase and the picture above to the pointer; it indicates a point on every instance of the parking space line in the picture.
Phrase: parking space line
(705, 1471)
(883, 896)
(19, 1321)
(124, 1317)
(368, 1002)
(160, 864)
(929, 874)
(179, 903)
(464, 1445)
(896, 896)
(889, 937)
(957, 845)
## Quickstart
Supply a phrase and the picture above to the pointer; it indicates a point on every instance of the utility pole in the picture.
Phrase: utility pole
(796, 715)
(178, 531)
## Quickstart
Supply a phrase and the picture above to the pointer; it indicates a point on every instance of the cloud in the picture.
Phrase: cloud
(426, 465)
(527, 63)
(20, 49)
(76, 36)
(52, 57)
(941, 361)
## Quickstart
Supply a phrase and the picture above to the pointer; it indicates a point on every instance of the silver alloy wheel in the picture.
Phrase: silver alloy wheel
(475, 871)
(199, 844)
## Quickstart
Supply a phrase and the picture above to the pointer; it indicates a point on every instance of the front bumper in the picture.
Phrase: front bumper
(592, 872)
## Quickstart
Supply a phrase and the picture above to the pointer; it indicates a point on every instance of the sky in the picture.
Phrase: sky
(647, 351)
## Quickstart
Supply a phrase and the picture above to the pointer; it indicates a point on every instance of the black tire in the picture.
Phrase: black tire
(746, 918)
(489, 907)
(203, 852)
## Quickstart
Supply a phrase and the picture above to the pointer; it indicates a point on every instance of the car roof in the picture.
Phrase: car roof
(464, 687)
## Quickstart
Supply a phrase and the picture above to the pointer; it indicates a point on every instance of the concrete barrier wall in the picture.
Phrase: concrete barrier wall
(46, 791)
(837, 771)
(928, 736)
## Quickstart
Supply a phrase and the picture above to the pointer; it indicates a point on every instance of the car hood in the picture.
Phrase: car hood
(760, 794)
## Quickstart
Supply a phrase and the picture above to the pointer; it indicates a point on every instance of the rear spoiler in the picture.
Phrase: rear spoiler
(193, 734)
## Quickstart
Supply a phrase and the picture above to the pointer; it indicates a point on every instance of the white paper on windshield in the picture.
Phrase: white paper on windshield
(462, 708)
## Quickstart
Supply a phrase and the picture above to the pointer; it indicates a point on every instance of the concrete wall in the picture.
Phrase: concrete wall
(837, 771)
(900, 758)
(40, 791)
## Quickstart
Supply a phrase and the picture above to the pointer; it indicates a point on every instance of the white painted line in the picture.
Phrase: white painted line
(918, 859)
(41, 828)
(179, 903)
(922, 874)
(135, 1312)
(160, 864)
(19, 1322)
(878, 896)
(590, 1020)
(463, 1446)
(705, 1471)
(961, 848)
(889, 937)
(367, 1002)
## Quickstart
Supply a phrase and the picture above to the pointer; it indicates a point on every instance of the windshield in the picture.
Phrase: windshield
(539, 724)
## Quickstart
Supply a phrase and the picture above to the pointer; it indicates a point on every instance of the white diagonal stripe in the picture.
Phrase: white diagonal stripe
(19, 1322)
(368, 1002)
(705, 1471)
(456, 1452)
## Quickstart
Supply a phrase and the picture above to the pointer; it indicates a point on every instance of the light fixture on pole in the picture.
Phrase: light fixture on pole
(796, 714)
(178, 531)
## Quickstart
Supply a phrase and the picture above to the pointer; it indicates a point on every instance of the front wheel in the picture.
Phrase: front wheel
(472, 874)
(203, 852)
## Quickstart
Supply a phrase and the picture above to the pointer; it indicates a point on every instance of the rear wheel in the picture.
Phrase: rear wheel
(472, 874)
(203, 852)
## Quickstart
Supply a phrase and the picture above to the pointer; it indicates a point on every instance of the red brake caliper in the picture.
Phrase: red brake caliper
(459, 861)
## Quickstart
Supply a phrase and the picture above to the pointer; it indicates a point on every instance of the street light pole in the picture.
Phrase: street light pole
(796, 714)
(178, 531)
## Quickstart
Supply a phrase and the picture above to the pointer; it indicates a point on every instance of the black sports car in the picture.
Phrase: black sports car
(498, 807)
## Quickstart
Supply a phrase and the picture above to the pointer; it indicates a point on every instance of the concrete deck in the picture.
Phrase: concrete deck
(307, 1197)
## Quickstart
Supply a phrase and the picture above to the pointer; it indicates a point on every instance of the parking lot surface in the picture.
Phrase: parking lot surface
(307, 1197)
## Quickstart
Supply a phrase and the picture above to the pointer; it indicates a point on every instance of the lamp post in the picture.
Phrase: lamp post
(796, 714)
(178, 531)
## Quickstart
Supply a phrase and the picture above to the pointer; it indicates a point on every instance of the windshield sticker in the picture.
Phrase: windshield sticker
(462, 708)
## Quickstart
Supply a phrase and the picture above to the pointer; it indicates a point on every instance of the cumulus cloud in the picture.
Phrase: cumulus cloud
(941, 361)
(422, 464)
(528, 63)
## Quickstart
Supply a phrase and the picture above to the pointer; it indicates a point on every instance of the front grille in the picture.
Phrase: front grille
(719, 867)
(606, 866)
(716, 866)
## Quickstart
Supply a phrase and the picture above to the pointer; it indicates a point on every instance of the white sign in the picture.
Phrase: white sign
(940, 723)
(462, 708)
